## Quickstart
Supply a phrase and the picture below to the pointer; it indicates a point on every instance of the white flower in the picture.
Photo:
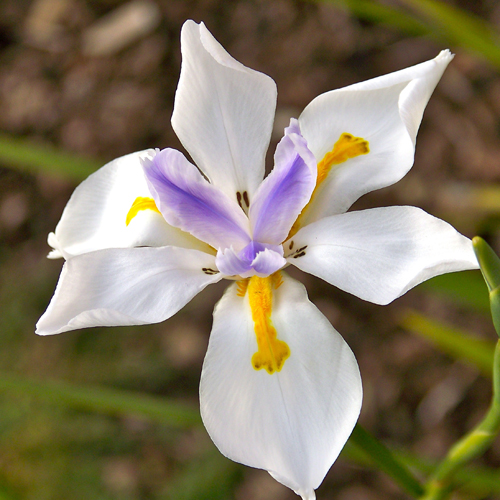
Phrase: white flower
(280, 389)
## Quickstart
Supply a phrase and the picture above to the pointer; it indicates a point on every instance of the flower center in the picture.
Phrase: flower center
(272, 352)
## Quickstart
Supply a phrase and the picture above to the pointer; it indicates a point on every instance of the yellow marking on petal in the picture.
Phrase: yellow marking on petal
(139, 204)
(347, 147)
(272, 352)
(242, 287)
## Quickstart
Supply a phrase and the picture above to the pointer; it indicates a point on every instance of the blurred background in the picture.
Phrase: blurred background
(83, 82)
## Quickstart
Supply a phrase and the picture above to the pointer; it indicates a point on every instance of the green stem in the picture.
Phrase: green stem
(470, 446)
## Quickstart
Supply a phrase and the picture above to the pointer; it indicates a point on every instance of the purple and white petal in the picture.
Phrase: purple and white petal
(189, 202)
(96, 214)
(268, 262)
(229, 263)
(285, 191)
(223, 113)
(379, 254)
(255, 259)
(126, 286)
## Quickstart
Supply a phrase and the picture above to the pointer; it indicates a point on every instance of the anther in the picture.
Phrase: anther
(245, 199)
(238, 199)
(209, 271)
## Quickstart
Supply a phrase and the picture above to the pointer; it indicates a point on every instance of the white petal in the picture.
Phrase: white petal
(95, 216)
(379, 254)
(387, 112)
(294, 422)
(223, 112)
(125, 286)
(372, 115)
(422, 79)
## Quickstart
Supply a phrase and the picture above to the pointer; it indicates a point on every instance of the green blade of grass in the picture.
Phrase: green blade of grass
(104, 400)
(479, 481)
(212, 477)
(26, 155)
(460, 28)
(382, 14)
(363, 448)
(443, 22)
(466, 288)
(385, 460)
(452, 341)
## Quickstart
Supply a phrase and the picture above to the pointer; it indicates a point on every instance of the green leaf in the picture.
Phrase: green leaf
(467, 288)
(478, 481)
(212, 477)
(104, 400)
(385, 460)
(459, 27)
(452, 341)
(442, 21)
(488, 261)
(490, 267)
(382, 14)
(475, 480)
(26, 155)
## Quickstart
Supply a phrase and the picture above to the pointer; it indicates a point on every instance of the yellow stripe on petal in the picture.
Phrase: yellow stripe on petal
(139, 204)
(272, 352)
(347, 147)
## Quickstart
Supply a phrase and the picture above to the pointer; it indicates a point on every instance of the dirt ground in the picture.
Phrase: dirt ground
(61, 84)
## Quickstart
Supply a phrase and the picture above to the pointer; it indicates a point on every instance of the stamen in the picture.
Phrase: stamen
(272, 353)
(209, 271)
(300, 252)
(139, 204)
(245, 199)
(345, 148)
(238, 199)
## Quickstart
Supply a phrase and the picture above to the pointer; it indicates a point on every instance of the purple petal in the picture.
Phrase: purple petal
(189, 202)
(255, 259)
(229, 263)
(268, 262)
(285, 191)
(293, 128)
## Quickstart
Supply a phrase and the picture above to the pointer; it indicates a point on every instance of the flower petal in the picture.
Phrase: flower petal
(189, 202)
(285, 191)
(422, 79)
(96, 214)
(223, 112)
(229, 263)
(254, 259)
(386, 112)
(379, 254)
(371, 115)
(268, 262)
(294, 422)
(126, 286)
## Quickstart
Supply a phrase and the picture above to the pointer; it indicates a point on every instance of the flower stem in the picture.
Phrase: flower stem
(470, 446)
